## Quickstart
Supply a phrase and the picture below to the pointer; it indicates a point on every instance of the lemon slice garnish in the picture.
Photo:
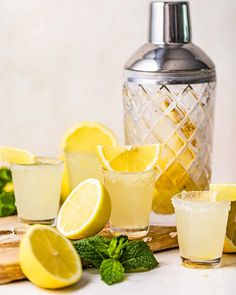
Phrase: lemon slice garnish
(16, 156)
(129, 158)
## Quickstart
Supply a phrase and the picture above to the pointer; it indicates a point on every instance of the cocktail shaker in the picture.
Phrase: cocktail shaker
(169, 98)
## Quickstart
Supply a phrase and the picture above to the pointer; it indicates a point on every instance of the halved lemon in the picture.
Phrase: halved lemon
(129, 158)
(86, 211)
(48, 259)
(85, 137)
(227, 192)
(16, 156)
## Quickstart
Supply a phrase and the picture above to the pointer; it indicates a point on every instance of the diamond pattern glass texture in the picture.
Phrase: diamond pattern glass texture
(180, 117)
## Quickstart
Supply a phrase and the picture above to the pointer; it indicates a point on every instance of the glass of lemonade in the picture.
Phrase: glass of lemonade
(131, 200)
(82, 165)
(37, 190)
(201, 227)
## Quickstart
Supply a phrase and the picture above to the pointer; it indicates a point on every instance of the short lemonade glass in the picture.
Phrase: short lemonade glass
(131, 199)
(201, 227)
(37, 190)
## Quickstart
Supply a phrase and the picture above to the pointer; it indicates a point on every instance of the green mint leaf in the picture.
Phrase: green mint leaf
(92, 250)
(116, 246)
(112, 271)
(7, 204)
(5, 175)
(137, 256)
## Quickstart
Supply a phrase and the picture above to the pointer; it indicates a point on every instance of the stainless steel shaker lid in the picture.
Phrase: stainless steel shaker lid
(169, 22)
(169, 48)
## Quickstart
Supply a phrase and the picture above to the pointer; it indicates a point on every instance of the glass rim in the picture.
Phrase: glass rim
(177, 198)
(40, 161)
(104, 170)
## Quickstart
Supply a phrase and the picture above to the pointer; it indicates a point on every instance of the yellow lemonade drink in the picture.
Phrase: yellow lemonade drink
(82, 166)
(37, 190)
(131, 196)
(201, 226)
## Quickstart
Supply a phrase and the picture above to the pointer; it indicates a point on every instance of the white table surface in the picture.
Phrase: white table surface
(170, 278)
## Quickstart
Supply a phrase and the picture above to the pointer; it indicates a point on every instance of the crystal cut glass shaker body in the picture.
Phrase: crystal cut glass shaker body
(168, 98)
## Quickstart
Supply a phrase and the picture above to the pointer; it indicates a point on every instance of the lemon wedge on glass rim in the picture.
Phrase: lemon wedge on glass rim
(15, 156)
(48, 259)
(86, 210)
(136, 158)
(227, 192)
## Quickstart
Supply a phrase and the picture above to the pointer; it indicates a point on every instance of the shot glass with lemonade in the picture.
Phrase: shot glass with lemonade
(129, 177)
(37, 185)
(79, 151)
(37, 190)
(201, 218)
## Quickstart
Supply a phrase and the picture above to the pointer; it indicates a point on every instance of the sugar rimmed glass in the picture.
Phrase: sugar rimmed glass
(131, 199)
(201, 227)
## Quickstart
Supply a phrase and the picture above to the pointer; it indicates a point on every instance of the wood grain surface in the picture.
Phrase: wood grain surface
(11, 231)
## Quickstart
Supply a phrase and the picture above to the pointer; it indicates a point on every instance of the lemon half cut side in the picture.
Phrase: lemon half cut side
(86, 210)
(85, 136)
(48, 259)
(129, 158)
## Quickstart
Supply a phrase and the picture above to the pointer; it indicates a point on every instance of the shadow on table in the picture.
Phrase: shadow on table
(76, 287)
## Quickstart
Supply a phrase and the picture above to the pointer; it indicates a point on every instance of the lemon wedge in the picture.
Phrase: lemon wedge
(225, 191)
(129, 158)
(16, 156)
(86, 210)
(48, 259)
(85, 136)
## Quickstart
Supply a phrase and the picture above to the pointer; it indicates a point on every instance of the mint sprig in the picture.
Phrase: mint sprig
(115, 257)
(116, 247)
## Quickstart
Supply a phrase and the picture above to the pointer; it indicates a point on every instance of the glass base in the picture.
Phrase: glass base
(132, 233)
(51, 221)
(202, 264)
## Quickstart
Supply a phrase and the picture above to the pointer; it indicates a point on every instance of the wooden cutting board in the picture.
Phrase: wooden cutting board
(11, 231)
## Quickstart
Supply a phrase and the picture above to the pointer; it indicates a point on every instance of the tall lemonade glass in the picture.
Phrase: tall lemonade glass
(201, 226)
(37, 190)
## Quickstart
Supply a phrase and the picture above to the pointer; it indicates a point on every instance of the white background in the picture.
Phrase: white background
(61, 62)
